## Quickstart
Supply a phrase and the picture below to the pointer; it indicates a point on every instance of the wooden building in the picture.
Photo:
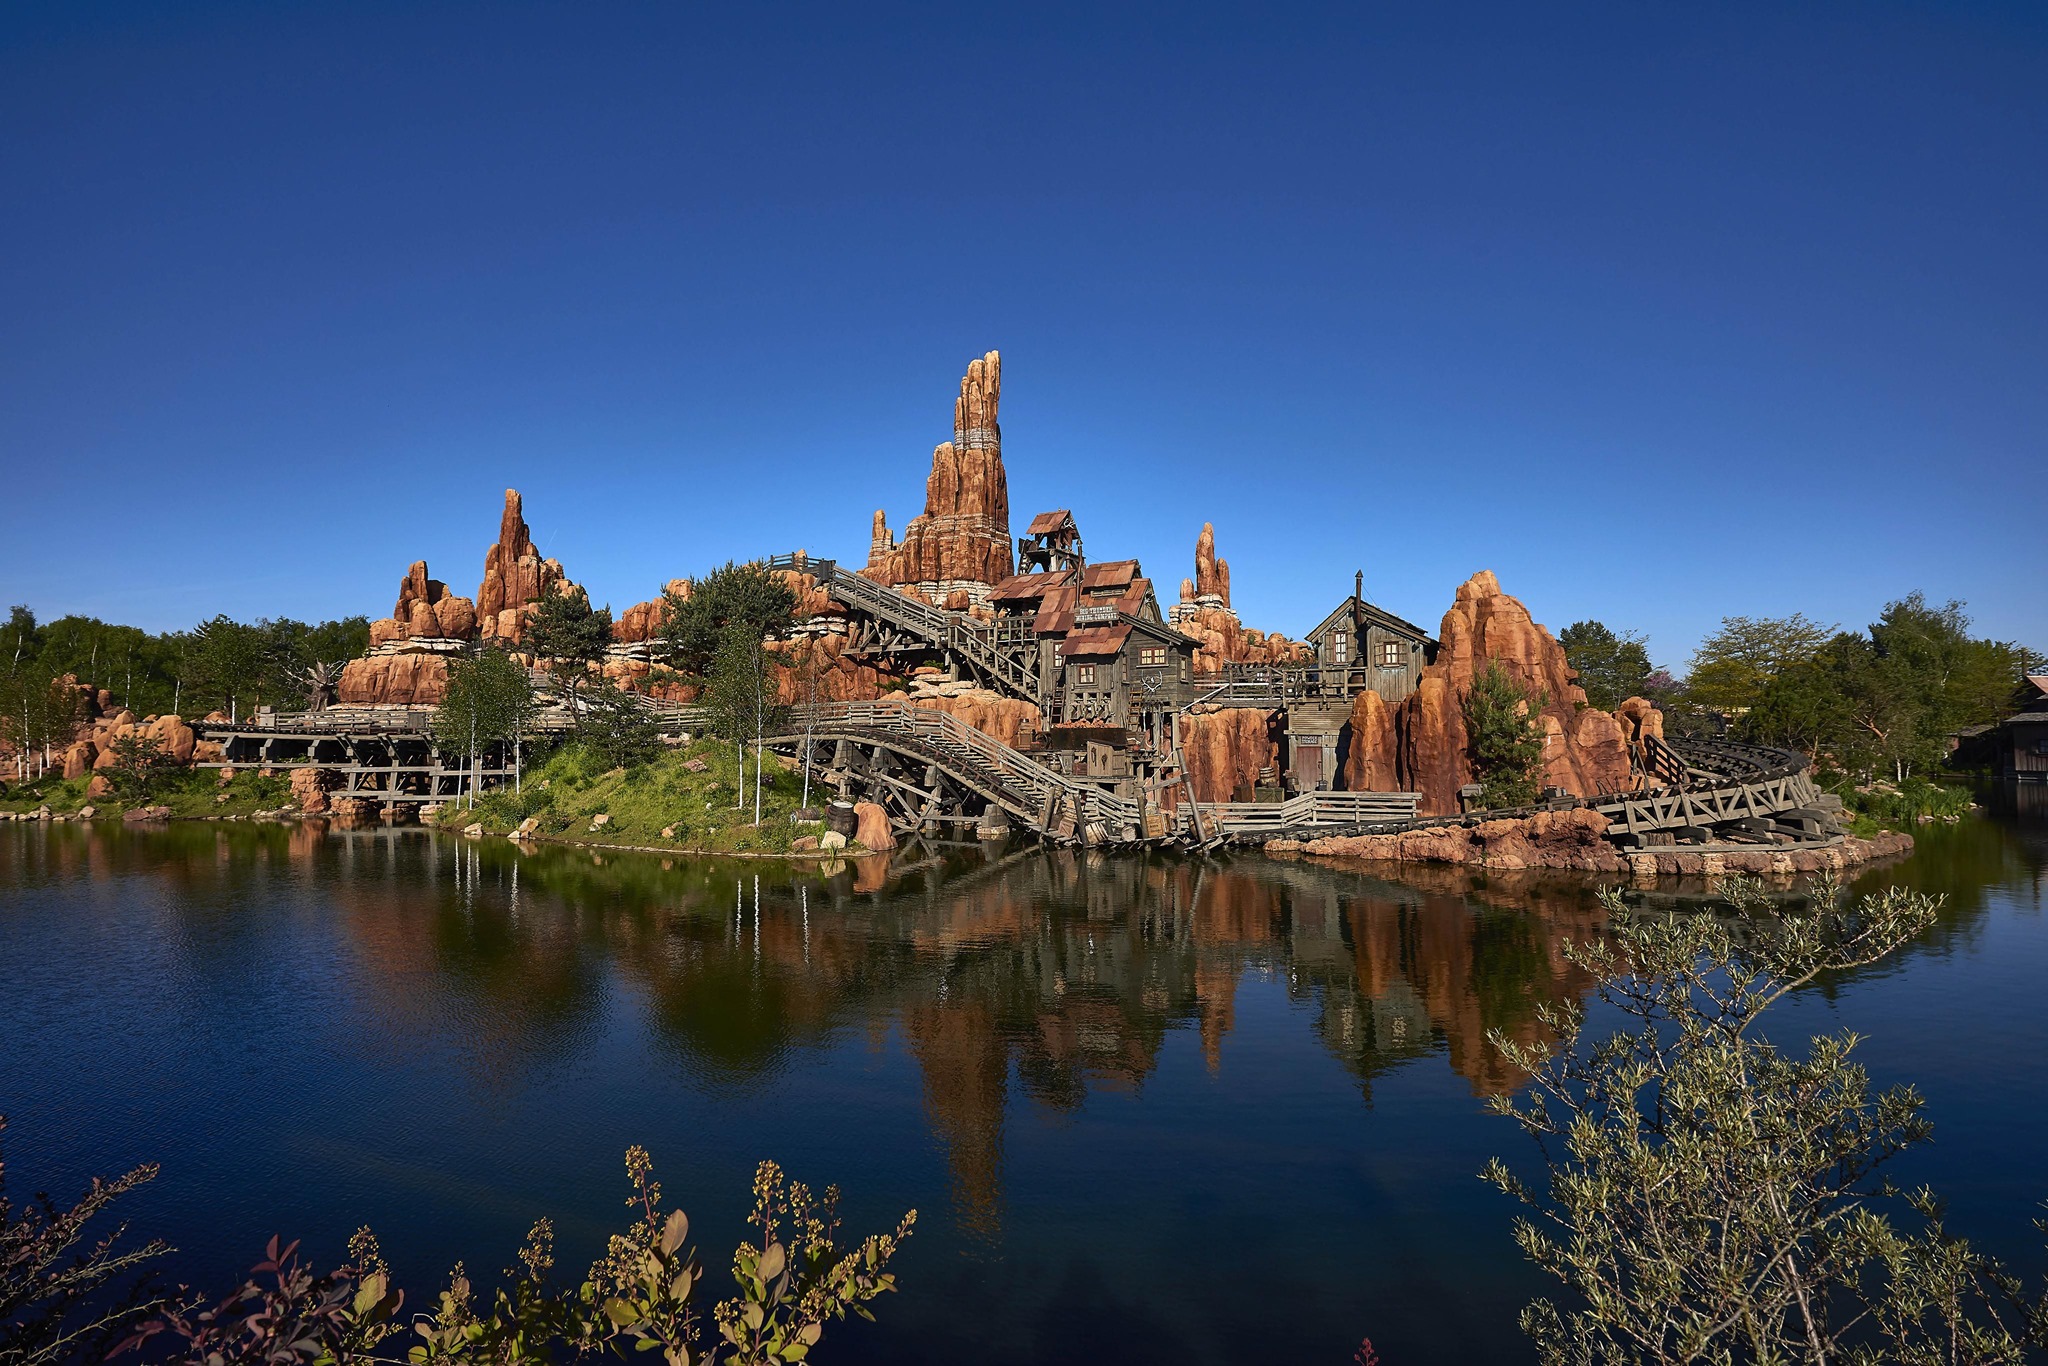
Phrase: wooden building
(2023, 737)
(1360, 646)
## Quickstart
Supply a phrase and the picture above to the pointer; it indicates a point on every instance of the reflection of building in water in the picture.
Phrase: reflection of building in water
(1065, 970)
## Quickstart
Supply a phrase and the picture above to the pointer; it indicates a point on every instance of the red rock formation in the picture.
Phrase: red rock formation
(515, 576)
(1585, 750)
(1571, 839)
(411, 679)
(1003, 718)
(1212, 576)
(963, 535)
(425, 610)
(1369, 762)
(642, 621)
(1224, 750)
(873, 831)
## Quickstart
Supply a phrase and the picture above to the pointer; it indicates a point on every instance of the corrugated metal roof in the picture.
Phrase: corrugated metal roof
(1045, 523)
(1028, 587)
(1056, 610)
(1134, 596)
(1096, 640)
(1108, 574)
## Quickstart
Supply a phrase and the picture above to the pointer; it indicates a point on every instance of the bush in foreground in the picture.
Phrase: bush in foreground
(59, 1304)
(1714, 1199)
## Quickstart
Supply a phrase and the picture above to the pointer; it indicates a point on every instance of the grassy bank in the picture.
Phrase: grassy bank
(1875, 807)
(189, 793)
(693, 794)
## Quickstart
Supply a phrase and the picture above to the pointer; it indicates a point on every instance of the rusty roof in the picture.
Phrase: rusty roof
(1056, 610)
(1108, 574)
(1028, 587)
(1045, 523)
(1095, 640)
(1134, 596)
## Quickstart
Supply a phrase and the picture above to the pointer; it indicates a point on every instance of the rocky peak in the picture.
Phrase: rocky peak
(963, 535)
(515, 575)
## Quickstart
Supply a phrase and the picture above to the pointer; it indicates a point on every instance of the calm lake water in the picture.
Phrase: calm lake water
(1149, 1111)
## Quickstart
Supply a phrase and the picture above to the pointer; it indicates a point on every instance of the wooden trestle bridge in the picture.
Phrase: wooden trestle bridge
(934, 773)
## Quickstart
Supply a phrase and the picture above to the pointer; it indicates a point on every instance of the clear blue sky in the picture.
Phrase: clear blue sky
(1661, 312)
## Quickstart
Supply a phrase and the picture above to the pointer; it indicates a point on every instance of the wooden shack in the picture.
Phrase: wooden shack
(2023, 737)
(1360, 646)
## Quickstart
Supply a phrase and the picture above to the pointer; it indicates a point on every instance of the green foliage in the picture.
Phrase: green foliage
(1611, 667)
(489, 699)
(1731, 667)
(567, 633)
(1505, 737)
(38, 712)
(744, 596)
(615, 726)
(740, 691)
(140, 765)
(60, 1297)
(639, 1300)
(1711, 1198)
(1886, 702)
(663, 793)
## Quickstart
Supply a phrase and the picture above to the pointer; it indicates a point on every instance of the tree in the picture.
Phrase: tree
(617, 725)
(489, 701)
(750, 596)
(742, 697)
(228, 661)
(567, 633)
(1711, 1198)
(139, 762)
(1732, 666)
(1504, 737)
(1611, 667)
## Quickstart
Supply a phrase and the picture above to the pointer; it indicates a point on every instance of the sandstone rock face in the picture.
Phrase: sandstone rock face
(1571, 839)
(78, 758)
(309, 789)
(642, 621)
(1223, 750)
(963, 535)
(1220, 638)
(1369, 763)
(1640, 720)
(873, 828)
(1007, 719)
(425, 610)
(1428, 751)
(1212, 576)
(515, 575)
(418, 680)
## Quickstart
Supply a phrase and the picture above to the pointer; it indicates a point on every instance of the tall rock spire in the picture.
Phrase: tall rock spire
(962, 539)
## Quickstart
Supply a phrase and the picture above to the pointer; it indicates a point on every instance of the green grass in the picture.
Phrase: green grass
(1901, 806)
(642, 800)
(189, 793)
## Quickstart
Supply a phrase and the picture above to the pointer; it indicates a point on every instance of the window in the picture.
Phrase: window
(1390, 655)
(1339, 644)
(1152, 657)
(1084, 675)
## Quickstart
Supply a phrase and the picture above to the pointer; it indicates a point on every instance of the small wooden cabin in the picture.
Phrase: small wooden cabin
(2023, 738)
(1368, 647)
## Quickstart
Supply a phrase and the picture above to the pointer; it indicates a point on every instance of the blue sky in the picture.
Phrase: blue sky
(1663, 313)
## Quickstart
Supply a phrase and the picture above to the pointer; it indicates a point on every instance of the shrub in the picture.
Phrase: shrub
(1504, 737)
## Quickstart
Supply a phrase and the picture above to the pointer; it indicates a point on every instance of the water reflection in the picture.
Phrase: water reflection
(1043, 974)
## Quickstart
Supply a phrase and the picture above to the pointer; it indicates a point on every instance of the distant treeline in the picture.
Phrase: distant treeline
(1881, 702)
(215, 665)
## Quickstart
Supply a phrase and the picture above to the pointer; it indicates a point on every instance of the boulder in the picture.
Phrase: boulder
(1007, 719)
(78, 758)
(831, 839)
(309, 789)
(147, 813)
(872, 828)
(100, 786)
(177, 738)
(964, 531)
(455, 618)
(804, 844)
